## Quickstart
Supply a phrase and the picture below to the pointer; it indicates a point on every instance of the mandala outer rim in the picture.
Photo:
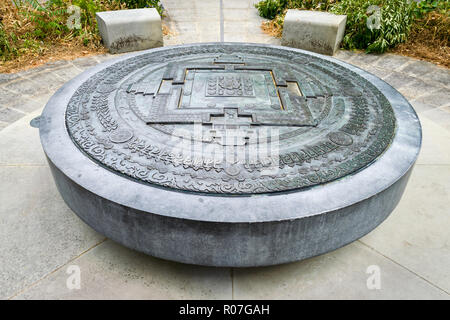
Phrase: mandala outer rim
(52, 133)
(214, 230)
(275, 184)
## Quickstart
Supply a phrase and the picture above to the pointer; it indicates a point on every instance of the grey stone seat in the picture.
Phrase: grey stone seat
(130, 30)
(316, 31)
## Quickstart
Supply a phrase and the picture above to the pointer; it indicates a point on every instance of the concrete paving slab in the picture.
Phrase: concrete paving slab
(420, 106)
(85, 62)
(440, 75)
(392, 62)
(10, 115)
(237, 4)
(27, 87)
(7, 77)
(3, 125)
(236, 14)
(38, 232)
(205, 29)
(341, 274)
(437, 98)
(379, 72)
(209, 37)
(399, 80)
(111, 271)
(363, 59)
(202, 3)
(435, 143)
(185, 27)
(233, 37)
(51, 65)
(27, 106)
(240, 28)
(345, 55)
(8, 97)
(53, 82)
(211, 14)
(258, 38)
(416, 234)
(417, 68)
(68, 72)
(418, 88)
(20, 144)
(441, 117)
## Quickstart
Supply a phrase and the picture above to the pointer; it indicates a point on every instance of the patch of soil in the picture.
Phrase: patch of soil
(51, 48)
(30, 52)
(429, 40)
(272, 28)
(53, 52)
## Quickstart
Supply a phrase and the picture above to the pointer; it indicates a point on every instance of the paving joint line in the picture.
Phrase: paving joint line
(18, 165)
(433, 164)
(27, 97)
(11, 91)
(403, 66)
(55, 270)
(419, 96)
(57, 75)
(17, 110)
(11, 80)
(76, 66)
(445, 106)
(403, 267)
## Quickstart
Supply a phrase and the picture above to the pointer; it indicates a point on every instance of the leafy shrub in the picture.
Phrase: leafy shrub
(392, 23)
(144, 4)
(422, 8)
(369, 29)
(31, 27)
(309, 4)
(6, 49)
(48, 20)
(269, 9)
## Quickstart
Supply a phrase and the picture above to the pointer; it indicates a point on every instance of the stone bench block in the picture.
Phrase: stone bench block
(316, 31)
(130, 30)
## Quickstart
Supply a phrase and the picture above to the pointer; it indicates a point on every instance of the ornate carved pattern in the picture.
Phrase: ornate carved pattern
(337, 125)
(229, 86)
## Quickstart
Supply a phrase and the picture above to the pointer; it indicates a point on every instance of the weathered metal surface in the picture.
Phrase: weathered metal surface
(111, 168)
(230, 120)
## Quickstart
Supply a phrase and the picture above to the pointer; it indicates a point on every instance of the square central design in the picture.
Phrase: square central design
(203, 92)
(229, 86)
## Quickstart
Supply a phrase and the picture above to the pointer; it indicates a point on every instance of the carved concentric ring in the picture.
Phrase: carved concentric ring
(178, 117)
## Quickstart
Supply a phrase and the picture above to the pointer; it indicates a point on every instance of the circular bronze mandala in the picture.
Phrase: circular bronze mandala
(230, 120)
